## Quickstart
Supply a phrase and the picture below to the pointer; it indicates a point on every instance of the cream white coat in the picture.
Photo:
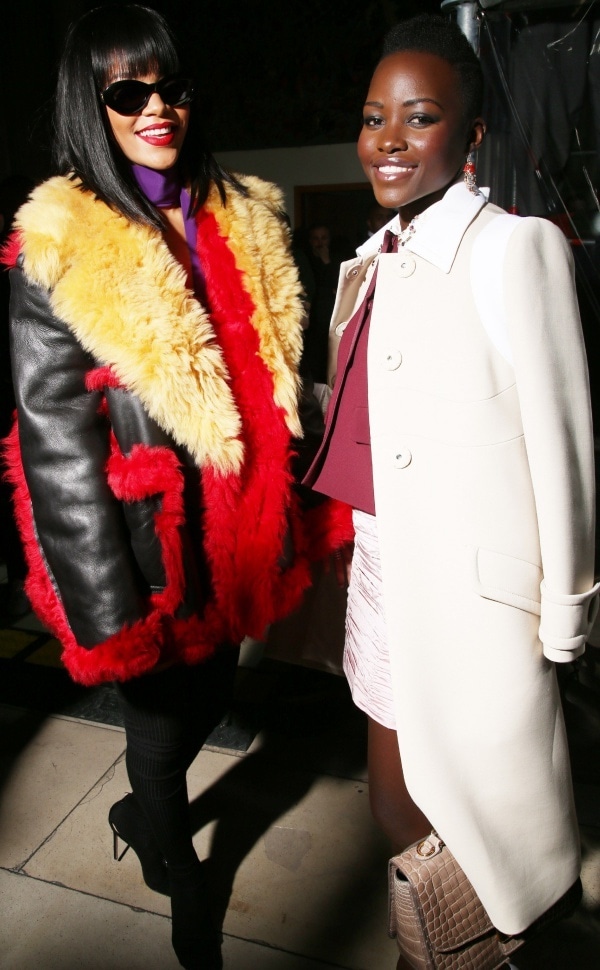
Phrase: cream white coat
(483, 472)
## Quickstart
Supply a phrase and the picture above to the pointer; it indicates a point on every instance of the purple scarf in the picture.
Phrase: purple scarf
(164, 190)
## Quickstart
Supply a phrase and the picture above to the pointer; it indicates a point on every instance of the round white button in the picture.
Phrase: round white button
(393, 359)
(402, 458)
(406, 266)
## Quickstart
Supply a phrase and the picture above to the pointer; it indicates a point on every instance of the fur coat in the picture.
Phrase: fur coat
(151, 455)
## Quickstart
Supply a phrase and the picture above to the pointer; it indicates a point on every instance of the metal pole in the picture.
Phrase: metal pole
(466, 18)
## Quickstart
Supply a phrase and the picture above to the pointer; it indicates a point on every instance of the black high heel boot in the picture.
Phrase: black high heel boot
(196, 940)
(129, 823)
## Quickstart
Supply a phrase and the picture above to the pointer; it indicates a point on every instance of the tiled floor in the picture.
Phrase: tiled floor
(280, 806)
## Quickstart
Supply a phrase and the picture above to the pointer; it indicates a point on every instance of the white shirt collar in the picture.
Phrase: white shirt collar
(440, 228)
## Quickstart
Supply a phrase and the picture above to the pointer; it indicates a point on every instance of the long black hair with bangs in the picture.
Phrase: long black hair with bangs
(105, 43)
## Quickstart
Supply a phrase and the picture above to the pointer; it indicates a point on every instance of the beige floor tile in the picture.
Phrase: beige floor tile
(302, 859)
(294, 855)
(48, 927)
(48, 766)
(243, 955)
(305, 862)
(79, 854)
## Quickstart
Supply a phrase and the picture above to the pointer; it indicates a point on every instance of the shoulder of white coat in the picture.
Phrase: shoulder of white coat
(541, 236)
(494, 231)
(522, 242)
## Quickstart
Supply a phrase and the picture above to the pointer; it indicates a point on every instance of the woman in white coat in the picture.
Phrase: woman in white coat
(461, 404)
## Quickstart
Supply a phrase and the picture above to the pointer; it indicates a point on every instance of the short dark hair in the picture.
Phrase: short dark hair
(134, 40)
(433, 34)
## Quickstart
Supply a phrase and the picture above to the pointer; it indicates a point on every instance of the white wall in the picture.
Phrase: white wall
(288, 167)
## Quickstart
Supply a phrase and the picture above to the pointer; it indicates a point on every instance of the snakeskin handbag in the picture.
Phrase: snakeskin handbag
(438, 919)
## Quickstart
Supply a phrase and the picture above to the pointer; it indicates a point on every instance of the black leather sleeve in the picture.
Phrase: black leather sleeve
(64, 445)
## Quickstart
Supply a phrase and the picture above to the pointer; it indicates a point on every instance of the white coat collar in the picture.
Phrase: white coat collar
(440, 228)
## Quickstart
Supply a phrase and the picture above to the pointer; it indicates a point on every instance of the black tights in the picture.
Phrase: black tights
(168, 717)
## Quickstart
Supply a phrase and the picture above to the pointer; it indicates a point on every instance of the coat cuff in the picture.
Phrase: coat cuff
(566, 622)
(131, 652)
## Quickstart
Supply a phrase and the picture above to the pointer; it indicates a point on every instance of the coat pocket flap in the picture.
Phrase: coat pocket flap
(508, 580)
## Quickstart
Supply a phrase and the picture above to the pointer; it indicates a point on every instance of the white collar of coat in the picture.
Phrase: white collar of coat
(439, 229)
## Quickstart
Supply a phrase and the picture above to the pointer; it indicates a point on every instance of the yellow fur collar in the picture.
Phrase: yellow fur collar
(123, 294)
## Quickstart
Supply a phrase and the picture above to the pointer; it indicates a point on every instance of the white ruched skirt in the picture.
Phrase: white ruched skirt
(366, 654)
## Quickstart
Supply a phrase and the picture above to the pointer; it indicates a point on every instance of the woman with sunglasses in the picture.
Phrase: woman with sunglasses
(155, 330)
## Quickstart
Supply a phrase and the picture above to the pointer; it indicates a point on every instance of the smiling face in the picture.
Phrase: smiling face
(415, 138)
(154, 136)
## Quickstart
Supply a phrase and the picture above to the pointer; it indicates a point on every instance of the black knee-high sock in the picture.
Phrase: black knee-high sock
(168, 717)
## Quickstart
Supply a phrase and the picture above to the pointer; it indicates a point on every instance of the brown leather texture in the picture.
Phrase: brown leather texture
(439, 921)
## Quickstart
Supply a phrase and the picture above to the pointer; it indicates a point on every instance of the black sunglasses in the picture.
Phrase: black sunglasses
(129, 96)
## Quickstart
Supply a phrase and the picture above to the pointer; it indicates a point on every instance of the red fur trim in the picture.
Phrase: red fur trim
(195, 638)
(245, 518)
(150, 471)
(248, 515)
(101, 377)
(10, 251)
(37, 584)
(145, 471)
(328, 526)
(131, 652)
(321, 531)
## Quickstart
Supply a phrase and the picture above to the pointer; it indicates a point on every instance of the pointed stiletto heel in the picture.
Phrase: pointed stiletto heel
(116, 855)
(116, 838)
(129, 824)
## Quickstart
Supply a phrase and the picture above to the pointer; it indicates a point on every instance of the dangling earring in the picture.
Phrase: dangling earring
(469, 173)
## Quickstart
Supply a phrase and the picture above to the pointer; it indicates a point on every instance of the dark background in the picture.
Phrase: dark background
(272, 73)
(289, 73)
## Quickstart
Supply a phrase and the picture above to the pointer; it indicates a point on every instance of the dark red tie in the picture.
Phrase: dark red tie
(390, 242)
